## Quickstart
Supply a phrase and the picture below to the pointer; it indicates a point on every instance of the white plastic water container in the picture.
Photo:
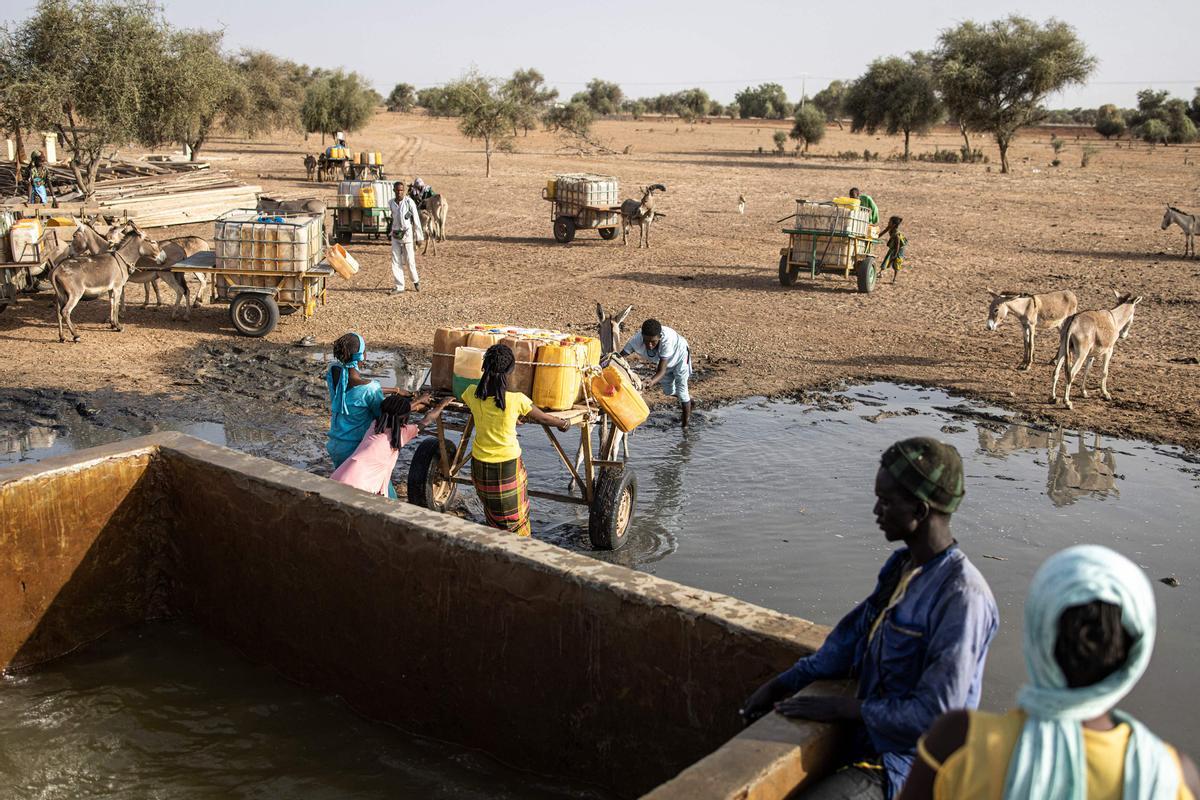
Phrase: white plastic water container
(23, 240)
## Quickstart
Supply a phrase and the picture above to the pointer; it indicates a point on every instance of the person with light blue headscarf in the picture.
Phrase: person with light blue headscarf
(354, 401)
(1089, 632)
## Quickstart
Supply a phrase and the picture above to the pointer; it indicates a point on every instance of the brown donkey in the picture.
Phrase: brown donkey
(88, 277)
(1045, 311)
(1090, 334)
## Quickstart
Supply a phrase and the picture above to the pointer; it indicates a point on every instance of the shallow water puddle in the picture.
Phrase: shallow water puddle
(771, 501)
(163, 711)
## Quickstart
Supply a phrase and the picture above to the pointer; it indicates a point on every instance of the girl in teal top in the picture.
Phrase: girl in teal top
(354, 401)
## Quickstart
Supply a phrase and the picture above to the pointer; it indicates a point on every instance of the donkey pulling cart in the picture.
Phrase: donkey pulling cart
(583, 202)
(608, 486)
(829, 237)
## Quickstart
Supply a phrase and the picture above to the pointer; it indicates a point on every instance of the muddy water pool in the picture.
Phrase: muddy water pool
(162, 711)
(771, 501)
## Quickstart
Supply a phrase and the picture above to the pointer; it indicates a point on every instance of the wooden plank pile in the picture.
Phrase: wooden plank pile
(157, 194)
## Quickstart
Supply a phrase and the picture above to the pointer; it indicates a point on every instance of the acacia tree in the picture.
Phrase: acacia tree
(767, 101)
(527, 90)
(24, 104)
(485, 114)
(1110, 121)
(337, 101)
(94, 58)
(809, 125)
(402, 97)
(831, 101)
(897, 95)
(271, 92)
(602, 97)
(195, 90)
(996, 76)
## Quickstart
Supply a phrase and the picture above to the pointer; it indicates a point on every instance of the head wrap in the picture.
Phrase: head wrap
(1049, 760)
(337, 387)
(931, 470)
(420, 184)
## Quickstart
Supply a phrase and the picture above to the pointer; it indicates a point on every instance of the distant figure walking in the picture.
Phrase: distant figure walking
(406, 230)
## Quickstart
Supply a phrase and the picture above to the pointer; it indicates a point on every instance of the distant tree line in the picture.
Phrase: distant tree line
(109, 73)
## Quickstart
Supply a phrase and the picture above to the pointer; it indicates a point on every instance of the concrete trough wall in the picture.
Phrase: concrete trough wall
(550, 660)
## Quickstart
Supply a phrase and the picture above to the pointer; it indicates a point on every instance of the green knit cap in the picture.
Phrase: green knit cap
(931, 470)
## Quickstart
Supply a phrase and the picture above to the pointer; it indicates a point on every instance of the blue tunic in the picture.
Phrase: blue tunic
(346, 430)
(926, 655)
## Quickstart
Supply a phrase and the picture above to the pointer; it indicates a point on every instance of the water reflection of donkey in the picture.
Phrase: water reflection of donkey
(1069, 476)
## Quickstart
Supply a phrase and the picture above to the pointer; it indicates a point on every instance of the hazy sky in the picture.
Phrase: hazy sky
(652, 47)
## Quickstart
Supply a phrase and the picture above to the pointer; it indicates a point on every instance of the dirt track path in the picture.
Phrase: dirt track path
(712, 273)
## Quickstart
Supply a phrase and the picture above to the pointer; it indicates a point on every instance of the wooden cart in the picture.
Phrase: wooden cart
(257, 298)
(812, 250)
(608, 486)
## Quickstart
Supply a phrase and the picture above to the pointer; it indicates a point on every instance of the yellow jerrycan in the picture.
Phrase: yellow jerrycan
(558, 376)
(619, 399)
(468, 369)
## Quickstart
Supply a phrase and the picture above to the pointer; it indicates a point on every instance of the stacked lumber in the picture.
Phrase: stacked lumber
(157, 194)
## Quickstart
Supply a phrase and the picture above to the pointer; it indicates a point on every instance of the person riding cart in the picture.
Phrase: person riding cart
(420, 192)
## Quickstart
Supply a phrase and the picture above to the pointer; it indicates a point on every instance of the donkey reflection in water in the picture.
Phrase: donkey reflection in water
(88, 277)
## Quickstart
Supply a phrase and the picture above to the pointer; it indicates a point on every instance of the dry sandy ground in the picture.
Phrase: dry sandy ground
(712, 274)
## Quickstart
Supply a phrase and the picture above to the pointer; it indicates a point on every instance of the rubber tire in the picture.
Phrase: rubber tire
(608, 234)
(423, 470)
(263, 305)
(611, 484)
(564, 230)
(787, 274)
(866, 274)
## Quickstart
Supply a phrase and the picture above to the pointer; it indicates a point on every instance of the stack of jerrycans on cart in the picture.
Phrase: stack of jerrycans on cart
(247, 241)
(550, 364)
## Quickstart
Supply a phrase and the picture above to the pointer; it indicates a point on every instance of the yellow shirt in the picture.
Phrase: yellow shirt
(979, 768)
(496, 429)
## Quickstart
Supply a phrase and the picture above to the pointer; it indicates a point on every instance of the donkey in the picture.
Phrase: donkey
(1090, 334)
(304, 205)
(433, 220)
(323, 167)
(310, 167)
(640, 213)
(88, 277)
(609, 326)
(151, 271)
(1046, 311)
(1190, 224)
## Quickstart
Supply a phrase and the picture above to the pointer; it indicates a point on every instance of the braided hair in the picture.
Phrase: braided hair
(344, 349)
(1092, 643)
(498, 363)
(393, 415)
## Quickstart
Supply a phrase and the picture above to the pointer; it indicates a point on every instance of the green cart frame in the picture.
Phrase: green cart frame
(814, 251)
(350, 220)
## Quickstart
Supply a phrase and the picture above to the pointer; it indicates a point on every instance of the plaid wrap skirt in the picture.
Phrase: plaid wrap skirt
(503, 488)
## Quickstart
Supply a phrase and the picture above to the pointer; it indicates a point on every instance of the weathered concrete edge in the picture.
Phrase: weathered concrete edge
(628, 584)
(767, 761)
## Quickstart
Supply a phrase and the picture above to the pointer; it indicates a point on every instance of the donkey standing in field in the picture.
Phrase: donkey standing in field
(310, 166)
(433, 220)
(88, 277)
(1190, 224)
(1090, 334)
(640, 213)
(610, 354)
(1035, 311)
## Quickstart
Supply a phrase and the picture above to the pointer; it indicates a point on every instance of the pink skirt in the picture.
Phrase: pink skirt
(370, 466)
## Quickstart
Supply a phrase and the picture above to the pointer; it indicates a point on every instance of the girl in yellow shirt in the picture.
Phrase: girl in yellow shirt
(496, 467)
(1089, 632)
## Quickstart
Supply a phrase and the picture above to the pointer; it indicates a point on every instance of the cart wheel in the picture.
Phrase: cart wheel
(864, 270)
(564, 230)
(254, 314)
(787, 273)
(427, 486)
(608, 234)
(612, 507)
